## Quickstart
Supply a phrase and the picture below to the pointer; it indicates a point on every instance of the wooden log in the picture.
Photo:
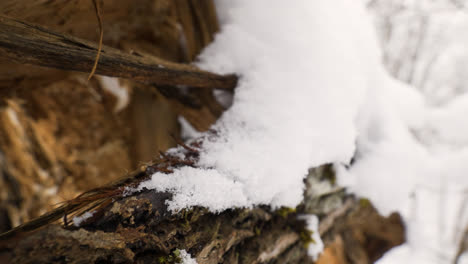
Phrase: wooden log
(138, 228)
(27, 43)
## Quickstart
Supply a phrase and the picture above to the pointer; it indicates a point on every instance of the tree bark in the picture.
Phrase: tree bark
(139, 229)
(26, 43)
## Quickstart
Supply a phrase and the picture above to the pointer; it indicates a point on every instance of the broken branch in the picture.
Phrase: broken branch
(26, 43)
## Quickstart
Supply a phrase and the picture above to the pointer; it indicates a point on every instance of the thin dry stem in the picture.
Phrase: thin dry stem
(98, 4)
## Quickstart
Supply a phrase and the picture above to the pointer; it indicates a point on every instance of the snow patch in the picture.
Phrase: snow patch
(300, 91)
(187, 131)
(198, 187)
(316, 247)
(113, 86)
(77, 220)
(186, 257)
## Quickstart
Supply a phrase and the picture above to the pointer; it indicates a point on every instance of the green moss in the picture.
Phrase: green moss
(285, 211)
(174, 258)
(306, 237)
(364, 202)
(189, 216)
(329, 174)
(186, 214)
(215, 231)
(258, 231)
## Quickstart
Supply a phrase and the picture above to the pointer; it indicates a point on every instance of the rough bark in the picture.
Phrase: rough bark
(139, 229)
(27, 43)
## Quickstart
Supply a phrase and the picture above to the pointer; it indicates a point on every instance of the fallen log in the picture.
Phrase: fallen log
(139, 228)
(26, 43)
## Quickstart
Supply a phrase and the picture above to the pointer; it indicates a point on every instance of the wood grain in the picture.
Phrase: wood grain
(27, 43)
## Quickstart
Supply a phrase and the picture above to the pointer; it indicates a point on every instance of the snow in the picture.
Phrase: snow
(198, 187)
(415, 164)
(186, 130)
(448, 123)
(186, 257)
(300, 91)
(463, 259)
(316, 247)
(113, 86)
(312, 90)
(77, 220)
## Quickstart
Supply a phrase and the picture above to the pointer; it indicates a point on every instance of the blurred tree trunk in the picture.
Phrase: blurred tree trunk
(61, 135)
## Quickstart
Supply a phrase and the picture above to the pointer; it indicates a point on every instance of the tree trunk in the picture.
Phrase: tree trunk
(61, 135)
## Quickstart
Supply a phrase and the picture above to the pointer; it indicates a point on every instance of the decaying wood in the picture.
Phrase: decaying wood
(139, 228)
(27, 43)
(61, 135)
(101, 196)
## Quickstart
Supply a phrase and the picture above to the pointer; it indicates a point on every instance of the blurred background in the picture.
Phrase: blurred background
(425, 44)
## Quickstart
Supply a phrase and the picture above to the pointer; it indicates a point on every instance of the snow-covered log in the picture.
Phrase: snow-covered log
(139, 228)
(296, 107)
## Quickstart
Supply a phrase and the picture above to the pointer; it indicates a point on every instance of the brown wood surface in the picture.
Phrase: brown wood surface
(27, 43)
(138, 228)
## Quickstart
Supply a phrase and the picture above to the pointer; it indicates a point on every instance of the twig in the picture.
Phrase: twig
(185, 146)
(98, 9)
